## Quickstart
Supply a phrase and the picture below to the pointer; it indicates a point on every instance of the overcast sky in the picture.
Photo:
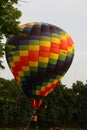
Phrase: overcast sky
(70, 15)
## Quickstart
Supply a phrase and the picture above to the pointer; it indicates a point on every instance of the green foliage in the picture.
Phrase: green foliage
(80, 114)
(66, 107)
(9, 16)
(14, 107)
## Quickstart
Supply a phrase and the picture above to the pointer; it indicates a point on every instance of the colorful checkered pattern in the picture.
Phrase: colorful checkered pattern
(41, 57)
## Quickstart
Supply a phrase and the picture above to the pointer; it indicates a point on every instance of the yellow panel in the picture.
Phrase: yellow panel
(18, 79)
(33, 64)
(56, 40)
(43, 88)
(67, 35)
(73, 46)
(12, 64)
(37, 92)
(22, 26)
(54, 56)
(16, 58)
(47, 93)
(43, 59)
(70, 49)
(59, 78)
(45, 43)
(48, 85)
(25, 68)
(63, 37)
(55, 81)
(33, 47)
(23, 53)
(63, 52)
(20, 73)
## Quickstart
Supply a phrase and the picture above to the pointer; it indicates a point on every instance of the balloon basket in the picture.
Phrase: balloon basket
(33, 118)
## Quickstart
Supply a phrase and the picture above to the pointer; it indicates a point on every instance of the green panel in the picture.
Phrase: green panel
(33, 42)
(22, 78)
(69, 54)
(38, 87)
(51, 80)
(23, 47)
(34, 69)
(41, 64)
(58, 76)
(62, 32)
(33, 91)
(10, 59)
(62, 57)
(16, 53)
(52, 61)
(44, 38)
(54, 35)
(45, 83)
(26, 73)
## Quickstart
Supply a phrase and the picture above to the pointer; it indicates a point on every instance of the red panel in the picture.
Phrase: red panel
(42, 93)
(36, 103)
(48, 89)
(24, 60)
(18, 65)
(44, 48)
(15, 73)
(55, 48)
(44, 54)
(33, 55)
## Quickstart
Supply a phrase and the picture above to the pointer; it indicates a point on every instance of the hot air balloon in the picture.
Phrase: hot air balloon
(41, 56)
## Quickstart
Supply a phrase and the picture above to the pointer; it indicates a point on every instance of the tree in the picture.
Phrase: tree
(55, 112)
(9, 16)
(64, 107)
(80, 110)
(15, 109)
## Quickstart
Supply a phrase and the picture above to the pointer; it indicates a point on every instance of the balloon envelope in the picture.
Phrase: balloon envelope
(40, 58)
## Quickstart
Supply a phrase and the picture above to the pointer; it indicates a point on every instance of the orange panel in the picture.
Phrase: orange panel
(64, 45)
(55, 45)
(55, 50)
(70, 41)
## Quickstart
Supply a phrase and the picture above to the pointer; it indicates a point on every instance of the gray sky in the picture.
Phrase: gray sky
(70, 15)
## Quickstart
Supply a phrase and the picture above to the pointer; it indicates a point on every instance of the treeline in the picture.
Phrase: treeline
(63, 107)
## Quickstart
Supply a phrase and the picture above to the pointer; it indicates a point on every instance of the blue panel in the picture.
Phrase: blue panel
(27, 29)
(44, 33)
(34, 37)
(41, 69)
(60, 63)
(52, 66)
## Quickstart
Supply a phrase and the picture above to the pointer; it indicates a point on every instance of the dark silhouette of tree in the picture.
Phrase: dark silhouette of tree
(63, 107)
(9, 16)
